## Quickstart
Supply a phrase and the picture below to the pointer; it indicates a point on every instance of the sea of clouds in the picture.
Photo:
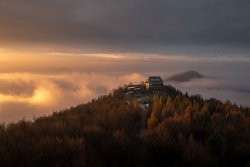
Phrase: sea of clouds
(40, 87)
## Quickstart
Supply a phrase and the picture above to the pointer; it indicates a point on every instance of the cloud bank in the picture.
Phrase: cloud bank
(28, 95)
(220, 88)
(24, 95)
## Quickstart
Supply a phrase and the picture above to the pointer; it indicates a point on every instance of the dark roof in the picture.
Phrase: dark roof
(155, 79)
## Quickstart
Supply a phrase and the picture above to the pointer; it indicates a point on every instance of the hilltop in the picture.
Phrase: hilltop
(185, 76)
(176, 130)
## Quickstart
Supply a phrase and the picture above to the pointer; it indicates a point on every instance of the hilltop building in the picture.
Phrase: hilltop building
(134, 88)
(154, 83)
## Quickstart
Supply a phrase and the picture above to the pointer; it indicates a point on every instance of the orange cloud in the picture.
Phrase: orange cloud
(53, 92)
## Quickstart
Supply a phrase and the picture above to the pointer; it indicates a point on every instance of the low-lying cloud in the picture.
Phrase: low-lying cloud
(32, 85)
(223, 89)
(24, 95)
(29, 95)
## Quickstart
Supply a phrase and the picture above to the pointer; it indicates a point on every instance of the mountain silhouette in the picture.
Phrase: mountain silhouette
(185, 76)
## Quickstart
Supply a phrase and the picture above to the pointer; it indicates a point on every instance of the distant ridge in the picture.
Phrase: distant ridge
(185, 76)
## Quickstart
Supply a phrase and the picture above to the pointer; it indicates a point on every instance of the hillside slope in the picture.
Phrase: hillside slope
(180, 130)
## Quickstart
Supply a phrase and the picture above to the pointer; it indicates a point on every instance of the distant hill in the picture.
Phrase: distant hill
(185, 76)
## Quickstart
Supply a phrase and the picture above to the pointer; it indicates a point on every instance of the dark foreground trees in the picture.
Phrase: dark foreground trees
(180, 131)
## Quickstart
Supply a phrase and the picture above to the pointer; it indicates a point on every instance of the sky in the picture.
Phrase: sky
(57, 53)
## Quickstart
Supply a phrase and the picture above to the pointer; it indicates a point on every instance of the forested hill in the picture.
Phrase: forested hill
(177, 130)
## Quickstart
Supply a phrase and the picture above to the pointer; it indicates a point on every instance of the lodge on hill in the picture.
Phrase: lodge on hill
(154, 83)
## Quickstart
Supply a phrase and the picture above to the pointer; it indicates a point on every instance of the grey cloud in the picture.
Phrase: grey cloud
(16, 87)
(65, 84)
(235, 90)
(132, 25)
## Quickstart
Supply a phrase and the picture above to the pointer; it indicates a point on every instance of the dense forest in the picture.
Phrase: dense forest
(177, 130)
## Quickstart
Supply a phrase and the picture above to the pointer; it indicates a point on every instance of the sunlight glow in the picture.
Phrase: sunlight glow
(91, 55)
(40, 96)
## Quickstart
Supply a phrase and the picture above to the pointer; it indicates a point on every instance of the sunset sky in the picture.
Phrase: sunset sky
(59, 53)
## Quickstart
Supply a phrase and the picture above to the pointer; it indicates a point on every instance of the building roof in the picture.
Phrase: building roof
(155, 79)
